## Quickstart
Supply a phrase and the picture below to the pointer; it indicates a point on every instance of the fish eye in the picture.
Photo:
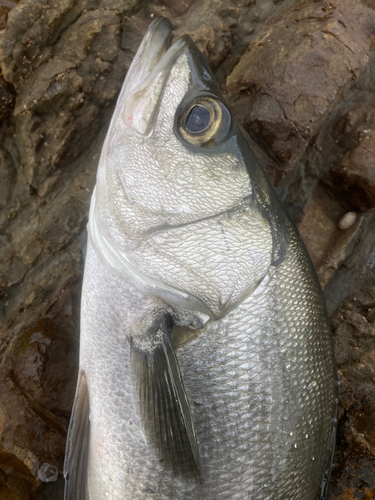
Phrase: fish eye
(198, 119)
(205, 122)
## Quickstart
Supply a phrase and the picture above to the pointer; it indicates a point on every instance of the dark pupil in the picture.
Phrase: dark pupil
(197, 119)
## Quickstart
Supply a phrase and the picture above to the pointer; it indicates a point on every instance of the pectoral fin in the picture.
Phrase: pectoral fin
(164, 407)
(76, 455)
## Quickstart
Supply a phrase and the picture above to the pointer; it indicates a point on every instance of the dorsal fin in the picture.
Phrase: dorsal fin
(76, 454)
(164, 407)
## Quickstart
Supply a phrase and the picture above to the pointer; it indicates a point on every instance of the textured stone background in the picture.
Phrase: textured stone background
(300, 79)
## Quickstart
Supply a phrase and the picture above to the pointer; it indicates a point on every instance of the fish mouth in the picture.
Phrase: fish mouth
(145, 80)
(156, 42)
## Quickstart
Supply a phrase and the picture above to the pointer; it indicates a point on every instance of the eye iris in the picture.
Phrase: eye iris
(197, 119)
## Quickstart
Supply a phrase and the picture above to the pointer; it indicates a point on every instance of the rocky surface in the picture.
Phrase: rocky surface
(328, 231)
(37, 377)
(300, 79)
(291, 77)
(353, 326)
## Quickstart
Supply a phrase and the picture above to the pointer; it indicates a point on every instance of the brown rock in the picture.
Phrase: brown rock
(7, 177)
(346, 126)
(354, 178)
(356, 480)
(208, 30)
(36, 394)
(327, 244)
(6, 98)
(5, 7)
(214, 41)
(289, 79)
(44, 193)
(177, 7)
(353, 328)
(60, 60)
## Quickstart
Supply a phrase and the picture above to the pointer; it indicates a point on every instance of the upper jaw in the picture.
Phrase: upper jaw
(155, 44)
(147, 75)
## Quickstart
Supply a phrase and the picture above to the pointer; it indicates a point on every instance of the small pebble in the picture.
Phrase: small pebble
(347, 220)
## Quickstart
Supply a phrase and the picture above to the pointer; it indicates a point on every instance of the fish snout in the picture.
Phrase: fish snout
(143, 87)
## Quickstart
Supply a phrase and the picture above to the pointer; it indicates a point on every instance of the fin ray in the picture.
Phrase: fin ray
(164, 407)
(324, 485)
(76, 455)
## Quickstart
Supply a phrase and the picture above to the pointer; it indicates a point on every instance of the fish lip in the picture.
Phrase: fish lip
(154, 58)
(155, 44)
(147, 76)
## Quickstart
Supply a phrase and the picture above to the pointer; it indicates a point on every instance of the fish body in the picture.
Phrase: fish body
(206, 361)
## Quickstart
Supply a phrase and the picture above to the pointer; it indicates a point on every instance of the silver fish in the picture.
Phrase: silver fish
(206, 361)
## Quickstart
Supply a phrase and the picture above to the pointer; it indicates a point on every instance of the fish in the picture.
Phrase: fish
(206, 366)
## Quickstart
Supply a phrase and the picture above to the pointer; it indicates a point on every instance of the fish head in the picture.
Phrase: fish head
(177, 206)
(159, 171)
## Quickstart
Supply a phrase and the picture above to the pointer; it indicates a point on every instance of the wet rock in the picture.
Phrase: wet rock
(177, 7)
(7, 178)
(353, 326)
(36, 393)
(7, 97)
(214, 41)
(356, 480)
(64, 62)
(327, 244)
(208, 30)
(5, 7)
(40, 247)
(288, 81)
(354, 177)
(53, 491)
(346, 126)
(358, 269)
